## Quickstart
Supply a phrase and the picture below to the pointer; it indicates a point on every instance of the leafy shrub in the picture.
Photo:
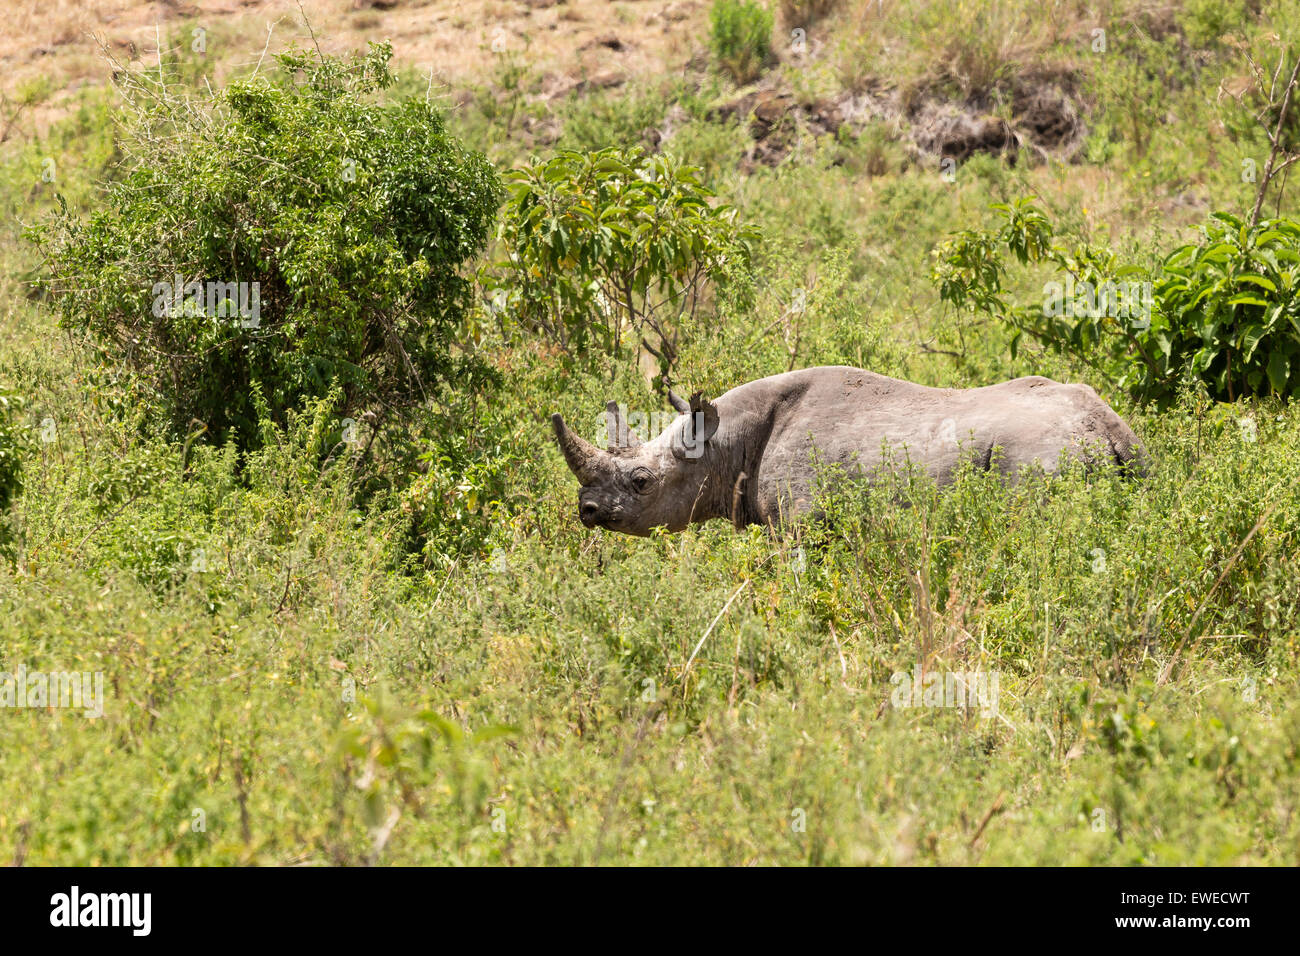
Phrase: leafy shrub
(1229, 309)
(348, 219)
(462, 496)
(12, 441)
(602, 244)
(741, 37)
(1221, 311)
(503, 100)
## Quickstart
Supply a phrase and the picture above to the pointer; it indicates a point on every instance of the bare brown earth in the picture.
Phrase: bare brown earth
(456, 40)
(571, 47)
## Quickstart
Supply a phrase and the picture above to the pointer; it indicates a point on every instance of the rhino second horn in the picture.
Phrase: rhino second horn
(620, 436)
(584, 459)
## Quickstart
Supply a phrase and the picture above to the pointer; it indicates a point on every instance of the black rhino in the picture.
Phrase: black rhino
(749, 456)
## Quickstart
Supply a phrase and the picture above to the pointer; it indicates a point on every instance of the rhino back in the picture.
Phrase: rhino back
(852, 418)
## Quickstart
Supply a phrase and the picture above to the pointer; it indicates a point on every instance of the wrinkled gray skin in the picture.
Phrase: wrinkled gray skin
(748, 457)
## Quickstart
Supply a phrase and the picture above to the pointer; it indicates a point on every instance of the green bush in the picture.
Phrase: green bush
(1221, 312)
(606, 251)
(12, 440)
(343, 219)
(1206, 22)
(462, 495)
(1228, 312)
(741, 37)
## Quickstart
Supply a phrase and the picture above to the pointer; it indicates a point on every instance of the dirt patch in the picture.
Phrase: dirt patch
(1040, 116)
(1049, 113)
(608, 41)
(576, 46)
(461, 44)
(776, 119)
(948, 131)
(1046, 119)
(557, 86)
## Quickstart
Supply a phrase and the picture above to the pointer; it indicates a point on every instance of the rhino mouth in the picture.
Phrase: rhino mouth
(592, 516)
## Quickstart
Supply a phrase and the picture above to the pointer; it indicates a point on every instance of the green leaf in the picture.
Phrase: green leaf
(1250, 341)
(1258, 280)
(1279, 367)
(1243, 298)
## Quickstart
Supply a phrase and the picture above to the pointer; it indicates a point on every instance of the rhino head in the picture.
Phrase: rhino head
(634, 485)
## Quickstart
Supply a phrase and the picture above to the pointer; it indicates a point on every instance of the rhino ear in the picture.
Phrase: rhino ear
(620, 436)
(701, 425)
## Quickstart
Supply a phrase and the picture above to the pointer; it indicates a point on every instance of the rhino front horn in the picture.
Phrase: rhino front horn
(584, 459)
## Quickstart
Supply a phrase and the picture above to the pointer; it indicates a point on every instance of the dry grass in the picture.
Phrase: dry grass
(802, 13)
(969, 48)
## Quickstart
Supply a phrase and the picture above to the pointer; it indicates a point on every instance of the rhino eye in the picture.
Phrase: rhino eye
(641, 480)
